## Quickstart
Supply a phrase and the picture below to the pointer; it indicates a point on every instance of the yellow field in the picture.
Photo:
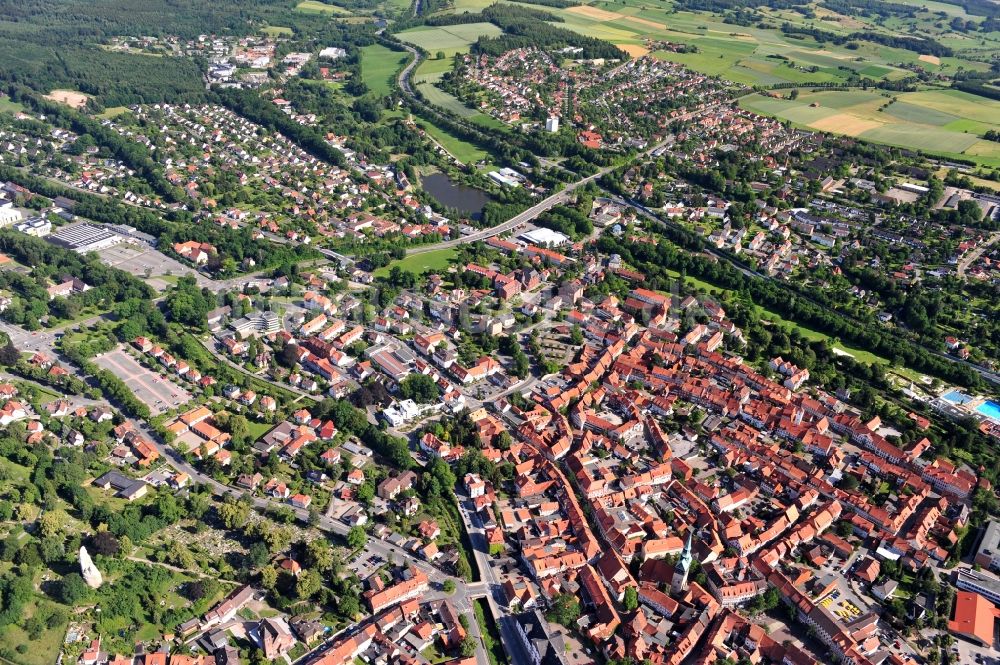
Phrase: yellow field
(646, 22)
(845, 123)
(930, 59)
(984, 149)
(633, 50)
(595, 13)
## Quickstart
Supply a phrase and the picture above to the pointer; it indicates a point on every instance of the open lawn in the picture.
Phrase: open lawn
(946, 122)
(258, 430)
(379, 66)
(776, 319)
(438, 260)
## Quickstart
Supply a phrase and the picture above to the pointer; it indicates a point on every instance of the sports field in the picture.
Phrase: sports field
(379, 66)
(946, 122)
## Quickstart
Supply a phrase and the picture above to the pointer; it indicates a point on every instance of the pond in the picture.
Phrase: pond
(467, 200)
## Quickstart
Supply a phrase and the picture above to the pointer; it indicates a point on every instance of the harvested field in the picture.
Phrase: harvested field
(595, 13)
(633, 50)
(930, 59)
(646, 22)
(845, 123)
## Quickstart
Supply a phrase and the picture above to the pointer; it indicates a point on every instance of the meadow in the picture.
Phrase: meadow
(462, 150)
(379, 67)
(317, 7)
(448, 39)
(947, 122)
(437, 260)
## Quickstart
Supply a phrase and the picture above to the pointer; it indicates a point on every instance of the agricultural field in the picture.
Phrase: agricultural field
(379, 66)
(743, 54)
(448, 39)
(947, 122)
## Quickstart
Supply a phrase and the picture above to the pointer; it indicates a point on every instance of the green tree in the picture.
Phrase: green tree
(420, 388)
(308, 584)
(565, 610)
(72, 589)
(631, 600)
(469, 644)
(356, 538)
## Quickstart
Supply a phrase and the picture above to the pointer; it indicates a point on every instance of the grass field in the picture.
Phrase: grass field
(8, 106)
(446, 100)
(112, 112)
(45, 649)
(379, 66)
(439, 259)
(317, 7)
(258, 430)
(465, 152)
(277, 30)
(448, 39)
(937, 121)
(776, 319)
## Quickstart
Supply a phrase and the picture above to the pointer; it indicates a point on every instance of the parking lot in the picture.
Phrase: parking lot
(141, 260)
(157, 393)
(366, 563)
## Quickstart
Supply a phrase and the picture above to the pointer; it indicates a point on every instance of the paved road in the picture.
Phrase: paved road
(541, 206)
(209, 344)
(41, 340)
(971, 256)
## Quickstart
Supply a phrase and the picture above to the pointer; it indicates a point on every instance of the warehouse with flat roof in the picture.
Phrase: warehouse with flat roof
(83, 238)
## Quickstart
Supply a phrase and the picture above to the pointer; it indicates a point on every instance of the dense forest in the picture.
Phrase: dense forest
(55, 44)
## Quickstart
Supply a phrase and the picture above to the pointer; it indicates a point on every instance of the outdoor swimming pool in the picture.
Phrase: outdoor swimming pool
(956, 397)
(989, 409)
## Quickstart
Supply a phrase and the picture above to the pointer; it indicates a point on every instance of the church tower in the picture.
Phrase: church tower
(678, 584)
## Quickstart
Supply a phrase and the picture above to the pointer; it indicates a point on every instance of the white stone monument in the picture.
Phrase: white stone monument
(91, 575)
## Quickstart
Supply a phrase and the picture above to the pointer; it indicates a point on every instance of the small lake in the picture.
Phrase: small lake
(467, 200)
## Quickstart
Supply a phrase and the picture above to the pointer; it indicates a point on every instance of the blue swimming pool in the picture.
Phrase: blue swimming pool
(956, 397)
(989, 409)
